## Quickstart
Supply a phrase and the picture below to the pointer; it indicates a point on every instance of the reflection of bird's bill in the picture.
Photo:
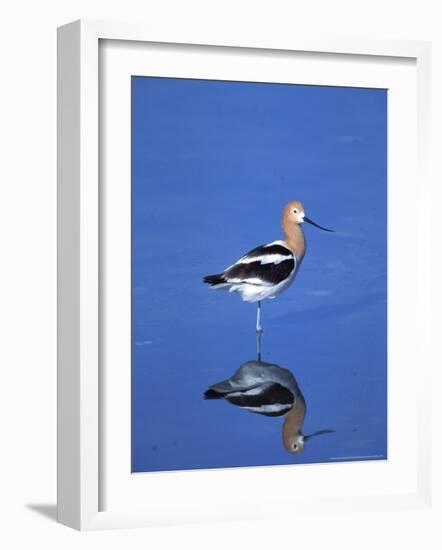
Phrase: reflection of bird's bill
(311, 222)
(320, 432)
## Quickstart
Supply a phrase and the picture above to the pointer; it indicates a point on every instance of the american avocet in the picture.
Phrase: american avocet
(267, 270)
(271, 390)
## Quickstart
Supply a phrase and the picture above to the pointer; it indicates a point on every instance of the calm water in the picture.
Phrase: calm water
(213, 164)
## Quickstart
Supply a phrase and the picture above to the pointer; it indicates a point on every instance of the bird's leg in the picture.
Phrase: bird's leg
(258, 345)
(258, 318)
(259, 331)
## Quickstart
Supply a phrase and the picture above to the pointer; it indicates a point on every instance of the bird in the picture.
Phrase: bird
(268, 389)
(267, 270)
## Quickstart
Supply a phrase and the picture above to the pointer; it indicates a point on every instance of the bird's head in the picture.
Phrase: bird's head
(294, 213)
(294, 444)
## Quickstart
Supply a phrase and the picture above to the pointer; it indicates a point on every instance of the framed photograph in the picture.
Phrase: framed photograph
(243, 288)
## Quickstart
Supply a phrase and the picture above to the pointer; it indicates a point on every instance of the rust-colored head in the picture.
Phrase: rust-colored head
(293, 438)
(294, 443)
(294, 213)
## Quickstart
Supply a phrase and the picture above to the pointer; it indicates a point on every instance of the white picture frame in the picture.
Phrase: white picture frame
(81, 442)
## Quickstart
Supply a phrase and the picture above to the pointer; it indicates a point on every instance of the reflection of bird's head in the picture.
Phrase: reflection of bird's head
(293, 438)
(294, 443)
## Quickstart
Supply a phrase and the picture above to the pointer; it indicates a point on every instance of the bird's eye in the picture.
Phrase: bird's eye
(295, 211)
(295, 446)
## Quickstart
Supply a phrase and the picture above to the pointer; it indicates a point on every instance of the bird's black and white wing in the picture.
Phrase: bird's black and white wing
(258, 387)
(270, 399)
(269, 264)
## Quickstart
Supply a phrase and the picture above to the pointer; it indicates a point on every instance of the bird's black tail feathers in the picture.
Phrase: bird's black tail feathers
(212, 394)
(214, 279)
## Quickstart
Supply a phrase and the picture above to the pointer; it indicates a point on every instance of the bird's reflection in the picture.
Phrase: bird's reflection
(268, 389)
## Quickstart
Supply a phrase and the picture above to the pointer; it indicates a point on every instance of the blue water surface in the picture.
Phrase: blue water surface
(213, 163)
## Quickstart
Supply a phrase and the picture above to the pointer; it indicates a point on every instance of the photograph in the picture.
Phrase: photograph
(258, 274)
